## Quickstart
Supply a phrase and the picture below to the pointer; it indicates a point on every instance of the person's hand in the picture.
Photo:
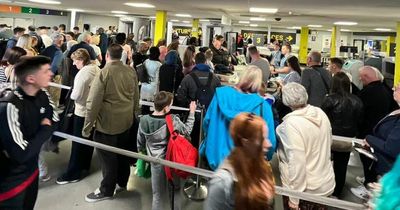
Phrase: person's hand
(365, 143)
(46, 121)
(293, 206)
(192, 106)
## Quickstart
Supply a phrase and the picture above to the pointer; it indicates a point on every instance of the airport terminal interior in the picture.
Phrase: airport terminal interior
(323, 78)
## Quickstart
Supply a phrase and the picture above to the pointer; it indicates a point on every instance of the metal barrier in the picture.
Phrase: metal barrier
(208, 174)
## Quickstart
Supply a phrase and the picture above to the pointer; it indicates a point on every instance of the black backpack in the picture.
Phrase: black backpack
(142, 74)
(204, 93)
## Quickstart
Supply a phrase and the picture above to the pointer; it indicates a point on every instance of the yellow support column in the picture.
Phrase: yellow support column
(161, 26)
(195, 28)
(333, 41)
(389, 40)
(303, 51)
(397, 58)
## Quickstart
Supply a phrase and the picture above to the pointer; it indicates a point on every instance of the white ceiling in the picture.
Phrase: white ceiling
(369, 14)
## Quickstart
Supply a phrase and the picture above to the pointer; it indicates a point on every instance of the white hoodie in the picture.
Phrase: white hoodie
(304, 152)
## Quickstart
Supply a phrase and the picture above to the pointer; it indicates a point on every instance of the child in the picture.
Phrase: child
(153, 137)
(209, 57)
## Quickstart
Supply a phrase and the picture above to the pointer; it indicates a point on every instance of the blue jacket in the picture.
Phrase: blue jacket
(386, 142)
(225, 105)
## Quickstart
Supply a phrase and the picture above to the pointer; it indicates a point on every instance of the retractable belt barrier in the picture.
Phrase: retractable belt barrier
(208, 174)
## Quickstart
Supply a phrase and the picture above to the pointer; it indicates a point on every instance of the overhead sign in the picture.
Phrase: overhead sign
(259, 37)
(31, 10)
(185, 30)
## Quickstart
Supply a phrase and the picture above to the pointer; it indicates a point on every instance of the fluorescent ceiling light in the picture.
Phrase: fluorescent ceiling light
(253, 25)
(294, 27)
(244, 22)
(152, 17)
(204, 20)
(315, 26)
(345, 23)
(141, 5)
(263, 10)
(174, 20)
(257, 19)
(76, 10)
(344, 30)
(119, 12)
(383, 29)
(183, 15)
(45, 1)
(119, 15)
(185, 21)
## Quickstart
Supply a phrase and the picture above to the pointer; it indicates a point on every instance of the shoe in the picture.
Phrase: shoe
(360, 180)
(360, 192)
(119, 189)
(96, 196)
(62, 180)
(45, 178)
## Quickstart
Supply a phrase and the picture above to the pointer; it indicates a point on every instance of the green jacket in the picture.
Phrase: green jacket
(113, 100)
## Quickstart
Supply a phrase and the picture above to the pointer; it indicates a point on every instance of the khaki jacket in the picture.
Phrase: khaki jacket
(113, 100)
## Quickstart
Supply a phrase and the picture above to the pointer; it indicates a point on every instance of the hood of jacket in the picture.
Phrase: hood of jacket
(171, 58)
(232, 102)
(202, 67)
(311, 113)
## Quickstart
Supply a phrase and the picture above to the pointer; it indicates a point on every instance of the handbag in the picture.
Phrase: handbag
(143, 76)
(143, 169)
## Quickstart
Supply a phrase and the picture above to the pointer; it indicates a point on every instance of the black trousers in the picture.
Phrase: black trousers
(369, 170)
(24, 201)
(340, 162)
(81, 155)
(115, 168)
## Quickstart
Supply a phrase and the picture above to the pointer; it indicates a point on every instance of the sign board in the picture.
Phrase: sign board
(10, 9)
(31, 10)
(185, 30)
(259, 37)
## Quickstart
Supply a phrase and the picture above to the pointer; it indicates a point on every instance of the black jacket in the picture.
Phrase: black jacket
(170, 78)
(378, 102)
(344, 113)
(138, 58)
(385, 140)
(219, 56)
(188, 88)
(22, 135)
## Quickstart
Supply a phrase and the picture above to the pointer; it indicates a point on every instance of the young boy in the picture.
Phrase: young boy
(153, 137)
(26, 119)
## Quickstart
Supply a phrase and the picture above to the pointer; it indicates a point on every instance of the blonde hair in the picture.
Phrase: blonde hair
(251, 80)
(25, 41)
(209, 54)
(82, 55)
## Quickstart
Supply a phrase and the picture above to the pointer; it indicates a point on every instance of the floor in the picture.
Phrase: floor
(138, 197)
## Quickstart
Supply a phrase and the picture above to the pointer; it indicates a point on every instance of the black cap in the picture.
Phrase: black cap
(43, 27)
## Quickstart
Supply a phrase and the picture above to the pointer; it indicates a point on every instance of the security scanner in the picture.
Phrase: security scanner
(352, 66)
(388, 67)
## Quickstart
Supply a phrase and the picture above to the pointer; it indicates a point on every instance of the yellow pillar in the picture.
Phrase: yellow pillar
(333, 41)
(303, 51)
(397, 58)
(195, 28)
(389, 40)
(160, 26)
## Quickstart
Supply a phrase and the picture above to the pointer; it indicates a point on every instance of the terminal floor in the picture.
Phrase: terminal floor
(138, 197)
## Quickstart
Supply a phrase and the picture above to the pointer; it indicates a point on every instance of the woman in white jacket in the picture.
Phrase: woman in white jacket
(148, 90)
(304, 152)
(81, 155)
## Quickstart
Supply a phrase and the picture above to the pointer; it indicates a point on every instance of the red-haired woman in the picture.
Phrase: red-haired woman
(245, 179)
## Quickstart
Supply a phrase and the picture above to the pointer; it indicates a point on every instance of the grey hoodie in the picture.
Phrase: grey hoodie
(153, 133)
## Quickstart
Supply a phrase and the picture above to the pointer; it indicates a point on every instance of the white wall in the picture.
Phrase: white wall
(96, 21)
(40, 20)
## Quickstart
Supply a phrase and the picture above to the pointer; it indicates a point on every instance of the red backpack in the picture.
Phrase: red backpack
(179, 150)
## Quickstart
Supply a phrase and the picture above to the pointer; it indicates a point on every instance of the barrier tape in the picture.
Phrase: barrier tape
(52, 84)
(148, 103)
(206, 173)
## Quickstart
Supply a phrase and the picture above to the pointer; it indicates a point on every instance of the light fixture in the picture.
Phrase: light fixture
(75, 10)
(183, 15)
(185, 21)
(244, 22)
(174, 20)
(257, 19)
(263, 10)
(345, 23)
(119, 15)
(152, 17)
(294, 27)
(119, 12)
(344, 30)
(253, 25)
(315, 26)
(141, 5)
(45, 1)
(204, 20)
(383, 29)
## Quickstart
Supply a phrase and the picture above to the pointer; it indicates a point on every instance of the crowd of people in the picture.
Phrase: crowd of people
(244, 126)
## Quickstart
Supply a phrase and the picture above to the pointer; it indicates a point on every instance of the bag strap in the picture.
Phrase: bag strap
(170, 125)
(210, 77)
(196, 79)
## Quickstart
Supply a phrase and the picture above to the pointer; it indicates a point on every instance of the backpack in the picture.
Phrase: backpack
(204, 93)
(142, 74)
(179, 150)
